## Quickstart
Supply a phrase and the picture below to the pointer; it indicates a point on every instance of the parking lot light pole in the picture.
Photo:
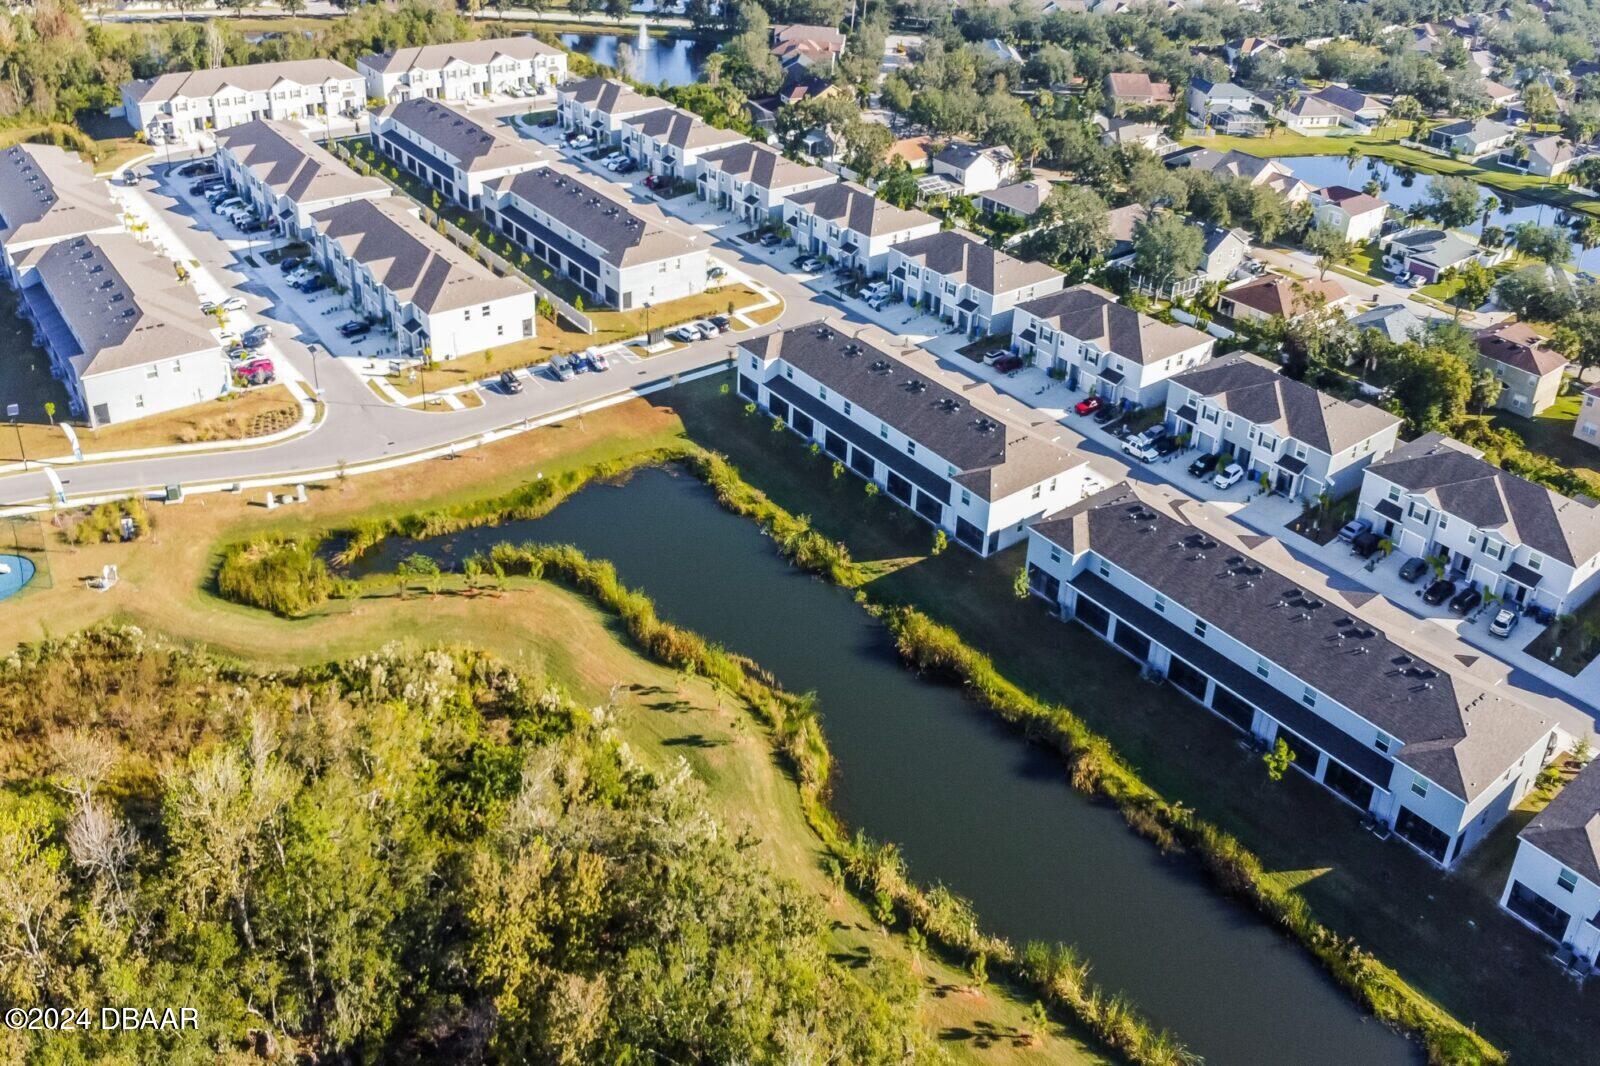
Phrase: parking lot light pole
(14, 412)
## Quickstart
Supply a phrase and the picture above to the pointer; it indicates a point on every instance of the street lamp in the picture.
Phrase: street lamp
(14, 412)
(647, 340)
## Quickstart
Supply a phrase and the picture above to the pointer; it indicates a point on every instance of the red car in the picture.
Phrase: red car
(258, 372)
(1089, 405)
(1007, 363)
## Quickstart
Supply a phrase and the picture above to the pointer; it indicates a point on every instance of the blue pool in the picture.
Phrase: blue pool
(18, 572)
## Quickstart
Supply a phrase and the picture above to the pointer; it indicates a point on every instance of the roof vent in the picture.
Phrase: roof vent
(989, 425)
(949, 404)
(878, 366)
(852, 349)
(916, 385)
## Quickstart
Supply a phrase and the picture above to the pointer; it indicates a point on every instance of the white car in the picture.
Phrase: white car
(581, 142)
(705, 327)
(1229, 476)
(233, 303)
(1505, 620)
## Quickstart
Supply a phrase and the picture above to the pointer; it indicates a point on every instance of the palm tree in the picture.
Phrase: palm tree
(1589, 234)
(1491, 204)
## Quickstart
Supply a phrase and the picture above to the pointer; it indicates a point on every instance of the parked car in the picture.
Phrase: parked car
(1165, 446)
(1504, 621)
(1438, 592)
(252, 225)
(227, 204)
(685, 334)
(315, 283)
(627, 166)
(1106, 413)
(1412, 569)
(258, 372)
(196, 167)
(1229, 476)
(289, 264)
(559, 367)
(1366, 545)
(722, 322)
(202, 188)
(1466, 600)
(1203, 464)
(706, 327)
(509, 382)
(209, 307)
(256, 336)
(1354, 529)
(879, 302)
(599, 362)
(1088, 405)
(810, 264)
(354, 330)
(233, 303)
(770, 240)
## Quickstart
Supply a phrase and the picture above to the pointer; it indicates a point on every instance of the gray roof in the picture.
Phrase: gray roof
(1025, 197)
(993, 457)
(1460, 483)
(960, 257)
(853, 207)
(1479, 130)
(627, 233)
(476, 53)
(1250, 387)
(1347, 99)
(682, 129)
(1394, 321)
(763, 166)
(477, 146)
(122, 301)
(1092, 314)
(255, 77)
(611, 96)
(48, 193)
(1452, 729)
(1440, 247)
(419, 266)
(961, 156)
(1568, 830)
(291, 164)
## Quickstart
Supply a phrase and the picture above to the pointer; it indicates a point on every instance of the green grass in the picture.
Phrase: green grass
(1444, 935)
(1550, 433)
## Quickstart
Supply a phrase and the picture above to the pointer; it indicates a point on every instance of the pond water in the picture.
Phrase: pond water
(15, 572)
(652, 60)
(970, 803)
(1405, 189)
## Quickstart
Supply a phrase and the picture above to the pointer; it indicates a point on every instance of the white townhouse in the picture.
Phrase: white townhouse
(452, 152)
(625, 255)
(187, 102)
(1355, 216)
(845, 222)
(1525, 543)
(967, 471)
(751, 180)
(1305, 441)
(975, 167)
(48, 194)
(1554, 884)
(669, 141)
(286, 176)
(599, 106)
(959, 278)
(124, 335)
(1406, 736)
(459, 70)
(441, 302)
(1104, 347)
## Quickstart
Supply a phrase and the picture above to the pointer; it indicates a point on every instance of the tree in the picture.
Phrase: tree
(1486, 389)
(1166, 248)
(1330, 248)
(1431, 385)
(1474, 283)
(1278, 760)
(1073, 226)
(900, 187)
(1451, 202)
(1548, 244)
(422, 566)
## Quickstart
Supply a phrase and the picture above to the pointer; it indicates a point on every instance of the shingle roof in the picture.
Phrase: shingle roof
(1124, 85)
(681, 129)
(960, 257)
(1025, 197)
(1568, 830)
(47, 193)
(123, 302)
(409, 259)
(477, 53)
(1459, 482)
(1092, 314)
(291, 164)
(1348, 100)
(611, 96)
(1395, 321)
(961, 156)
(1274, 294)
(256, 77)
(1481, 129)
(626, 233)
(1520, 345)
(1352, 201)
(993, 457)
(1440, 247)
(855, 208)
(1452, 729)
(765, 167)
(477, 146)
(1252, 388)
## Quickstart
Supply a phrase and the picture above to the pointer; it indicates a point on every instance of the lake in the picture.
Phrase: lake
(1405, 190)
(652, 60)
(970, 803)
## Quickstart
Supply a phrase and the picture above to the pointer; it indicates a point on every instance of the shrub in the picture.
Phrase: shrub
(283, 575)
(104, 523)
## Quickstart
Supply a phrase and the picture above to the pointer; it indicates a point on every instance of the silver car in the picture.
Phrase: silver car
(1504, 621)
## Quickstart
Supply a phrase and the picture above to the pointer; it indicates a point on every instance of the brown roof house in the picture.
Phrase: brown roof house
(1125, 90)
(1528, 368)
(1275, 296)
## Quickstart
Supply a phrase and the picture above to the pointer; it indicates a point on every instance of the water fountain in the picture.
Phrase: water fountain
(644, 35)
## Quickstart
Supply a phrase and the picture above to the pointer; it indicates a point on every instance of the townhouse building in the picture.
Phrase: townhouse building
(179, 105)
(960, 278)
(1304, 441)
(124, 335)
(1529, 370)
(851, 226)
(286, 176)
(461, 70)
(669, 141)
(598, 107)
(1104, 347)
(440, 302)
(1404, 734)
(451, 151)
(752, 180)
(972, 473)
(1530, 546)
(48, 194)
(624, 255)
(1554, 883)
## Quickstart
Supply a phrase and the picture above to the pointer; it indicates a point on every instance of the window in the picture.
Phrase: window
(1394, 494)
(883, 430)
(152, 371)
(1055, 554)
(1262, 668)
(822, 391)
(1419, 512)
(847, 407)
(1494, 549)
(1105, 569)
(966, 497)
(138, 401)
(788, 371)
(911, 447)
(1161, 603)
(1444, 523)
(1200, 628)
(1535, 561)
(1308, 697)
(1037, 489)
(1382, 742)
(1419, 786)
(1566, 880)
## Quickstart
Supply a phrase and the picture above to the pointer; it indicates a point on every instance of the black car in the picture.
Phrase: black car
(354, 328)
(722, 322)
(509, 382)
(1106, 413)
(200, 188)
(1465, 600)
(288, 264)
(315, 284)
(1165, 447)
(1413, 570)
(252, 225)
(198, 167)
(255, 338)
(1438, 592)
(1203, 465)
(1366, 544)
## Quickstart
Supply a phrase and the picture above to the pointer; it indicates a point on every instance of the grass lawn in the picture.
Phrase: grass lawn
(1444, 934)
(1550, 433)
(664, 716)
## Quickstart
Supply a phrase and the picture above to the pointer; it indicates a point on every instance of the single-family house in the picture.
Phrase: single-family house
(1355, 216)
(1471, 138)
(1394, 321)
(1528, 368)
(812, 47)
(1358, 111)
(1310, 117)
(1275, 296)
(1548, 157)
(1151, 136)
(976, 168)
(1254, 169)
(1021, 200)
(1126, 90)
(960, 278)
(851, 226)
(1428, 253)
(1223, 107)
